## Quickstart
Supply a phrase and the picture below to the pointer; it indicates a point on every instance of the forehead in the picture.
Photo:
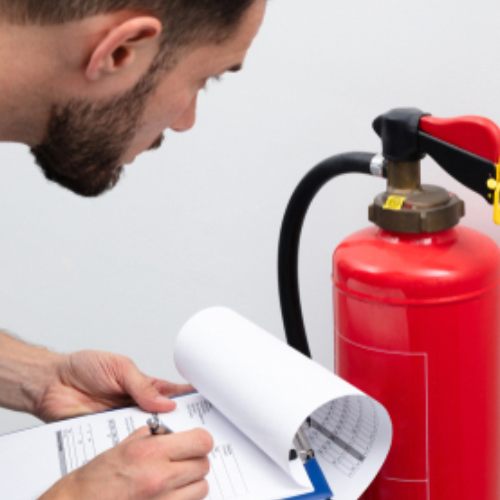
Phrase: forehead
(217, 58)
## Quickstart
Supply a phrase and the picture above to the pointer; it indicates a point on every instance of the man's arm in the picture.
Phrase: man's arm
(25, 372)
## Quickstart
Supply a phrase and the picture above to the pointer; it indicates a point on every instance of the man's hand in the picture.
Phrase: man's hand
(143, 467)
(55, 386)
(90, 381)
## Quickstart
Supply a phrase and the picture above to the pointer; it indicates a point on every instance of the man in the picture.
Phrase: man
(88, 85)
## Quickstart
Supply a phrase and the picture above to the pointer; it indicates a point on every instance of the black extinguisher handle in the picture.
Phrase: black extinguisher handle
(288, 253)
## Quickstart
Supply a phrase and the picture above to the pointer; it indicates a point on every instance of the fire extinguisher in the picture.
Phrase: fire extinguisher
(417, 305)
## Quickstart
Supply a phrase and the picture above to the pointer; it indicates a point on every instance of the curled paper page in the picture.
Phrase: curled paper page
(268, 390)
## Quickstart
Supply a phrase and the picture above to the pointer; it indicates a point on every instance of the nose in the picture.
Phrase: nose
(188, 118)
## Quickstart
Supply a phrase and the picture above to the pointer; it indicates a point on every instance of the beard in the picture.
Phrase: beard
(85, 140)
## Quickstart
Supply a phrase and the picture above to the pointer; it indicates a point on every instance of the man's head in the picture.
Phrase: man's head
(118, 73)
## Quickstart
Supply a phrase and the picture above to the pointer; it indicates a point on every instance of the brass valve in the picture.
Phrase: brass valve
(410, 207)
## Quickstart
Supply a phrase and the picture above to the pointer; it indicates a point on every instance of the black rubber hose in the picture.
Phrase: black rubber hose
(288, 253)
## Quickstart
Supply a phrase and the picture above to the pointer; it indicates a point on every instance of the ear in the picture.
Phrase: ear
(123, 45)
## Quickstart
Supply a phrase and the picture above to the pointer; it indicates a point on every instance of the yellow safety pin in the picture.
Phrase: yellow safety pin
(496, 200)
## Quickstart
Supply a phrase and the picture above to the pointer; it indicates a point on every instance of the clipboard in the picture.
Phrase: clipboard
(322, 490)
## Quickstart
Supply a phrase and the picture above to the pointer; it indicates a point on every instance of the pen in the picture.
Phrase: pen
(156, 427)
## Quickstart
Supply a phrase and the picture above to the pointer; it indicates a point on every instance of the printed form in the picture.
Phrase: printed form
(255, 392)
(238, 469)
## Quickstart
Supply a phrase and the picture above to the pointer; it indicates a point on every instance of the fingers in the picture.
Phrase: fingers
(169, 389)
(145, 467)
(178, 447)
(120, 382)
(197, 443)
(172, 466)
(143, 390)
(139, 433)
(193, 491)
(183, 473)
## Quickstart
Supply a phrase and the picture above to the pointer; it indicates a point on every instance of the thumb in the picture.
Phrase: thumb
(144, 392)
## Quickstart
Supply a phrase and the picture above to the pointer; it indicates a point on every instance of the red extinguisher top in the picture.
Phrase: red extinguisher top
(467, 147)
(447, 266)
(474, 134)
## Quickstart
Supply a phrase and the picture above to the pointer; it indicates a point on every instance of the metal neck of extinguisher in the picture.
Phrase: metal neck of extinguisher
(362, 163)
(406, 206)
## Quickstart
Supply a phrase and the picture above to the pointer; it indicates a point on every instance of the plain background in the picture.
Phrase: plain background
(196, 224)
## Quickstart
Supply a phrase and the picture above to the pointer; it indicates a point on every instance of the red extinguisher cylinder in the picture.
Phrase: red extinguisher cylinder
(417, 304)
(417, 322)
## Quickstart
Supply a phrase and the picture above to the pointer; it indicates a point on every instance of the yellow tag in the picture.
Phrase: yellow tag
(492, 184)
(496, 201)
(394, 202)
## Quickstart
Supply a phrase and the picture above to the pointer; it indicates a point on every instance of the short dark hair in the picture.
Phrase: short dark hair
(185, 21)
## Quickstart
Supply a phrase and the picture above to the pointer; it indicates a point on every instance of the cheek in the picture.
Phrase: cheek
(163, 110)
(159, 114)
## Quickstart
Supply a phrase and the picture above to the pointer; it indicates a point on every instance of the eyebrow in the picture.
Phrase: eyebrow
(235, 68)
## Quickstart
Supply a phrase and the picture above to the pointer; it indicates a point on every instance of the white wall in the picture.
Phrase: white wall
(197, 223)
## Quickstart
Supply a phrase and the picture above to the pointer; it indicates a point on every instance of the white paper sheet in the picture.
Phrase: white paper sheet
(268, 390)
(31, 461)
